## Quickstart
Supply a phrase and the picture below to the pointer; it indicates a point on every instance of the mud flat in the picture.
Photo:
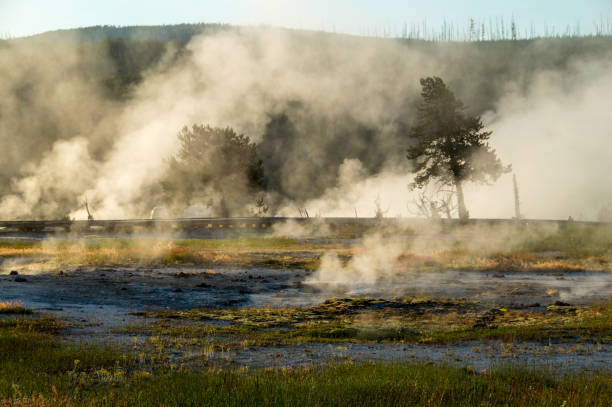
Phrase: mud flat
(120, 291)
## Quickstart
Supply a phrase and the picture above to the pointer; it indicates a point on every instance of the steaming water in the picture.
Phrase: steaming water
(509, 288)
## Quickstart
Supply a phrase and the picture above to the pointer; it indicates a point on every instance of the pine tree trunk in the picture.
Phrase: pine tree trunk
(463, 213)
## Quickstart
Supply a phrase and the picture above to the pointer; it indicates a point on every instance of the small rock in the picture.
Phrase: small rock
(181, 275)
(561, 304)
(123, 289)
(14, 273)
(177, 290)
(20, 280)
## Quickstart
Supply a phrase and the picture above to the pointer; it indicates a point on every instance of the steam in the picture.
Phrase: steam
(426, 263)
(363, 271)
(62, 173)
(328, 112)
(557, 135)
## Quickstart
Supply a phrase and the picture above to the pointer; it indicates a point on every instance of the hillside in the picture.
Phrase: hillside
(178, 32)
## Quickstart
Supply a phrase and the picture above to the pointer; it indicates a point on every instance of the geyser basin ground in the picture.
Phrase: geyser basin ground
(192, 305)
(112, 294)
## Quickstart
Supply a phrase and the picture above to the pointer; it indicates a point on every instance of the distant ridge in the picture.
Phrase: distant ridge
(177, 32)
(185, 32)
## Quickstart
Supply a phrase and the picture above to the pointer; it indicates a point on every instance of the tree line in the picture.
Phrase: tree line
(447, 146)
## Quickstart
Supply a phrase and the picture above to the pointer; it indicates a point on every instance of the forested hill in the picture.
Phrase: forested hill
(178, 32)
(133, 49)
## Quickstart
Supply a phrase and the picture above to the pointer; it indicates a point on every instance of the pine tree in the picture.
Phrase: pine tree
(450, 146)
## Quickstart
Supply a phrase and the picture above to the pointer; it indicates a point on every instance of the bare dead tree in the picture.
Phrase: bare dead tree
(89, 215)
(433, 201)
(380, 213)
(261, 207)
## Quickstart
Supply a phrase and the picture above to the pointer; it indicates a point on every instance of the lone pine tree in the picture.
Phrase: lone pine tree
(450, 146)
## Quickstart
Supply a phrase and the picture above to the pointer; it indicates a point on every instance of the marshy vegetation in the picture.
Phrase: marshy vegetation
(37, 369)
(494, 248)
(358, 320)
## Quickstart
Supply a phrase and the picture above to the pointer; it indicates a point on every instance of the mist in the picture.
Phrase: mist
(329, 113)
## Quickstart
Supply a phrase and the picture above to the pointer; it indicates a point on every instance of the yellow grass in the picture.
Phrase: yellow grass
(10, 305)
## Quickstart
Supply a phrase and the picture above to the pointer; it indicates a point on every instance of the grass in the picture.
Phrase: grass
(242, 251)
(576, 241)
(365, 320)
(537, 248)
(363, 384)
(13, 307)
(37, 369)
(33, 360)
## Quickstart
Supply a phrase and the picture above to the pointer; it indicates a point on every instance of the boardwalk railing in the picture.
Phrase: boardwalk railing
(249, 225)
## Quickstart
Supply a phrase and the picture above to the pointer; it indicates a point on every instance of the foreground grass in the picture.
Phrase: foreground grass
(364, 384)
(33, 361)
(36, 370)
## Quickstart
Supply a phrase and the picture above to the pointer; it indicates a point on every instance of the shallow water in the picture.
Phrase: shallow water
(479, 355)
(106, 292)
(99, 299)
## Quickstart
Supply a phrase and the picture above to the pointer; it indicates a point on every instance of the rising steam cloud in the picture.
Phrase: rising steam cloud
(328, 112)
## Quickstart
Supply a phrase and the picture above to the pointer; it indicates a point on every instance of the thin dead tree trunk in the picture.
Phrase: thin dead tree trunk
(517, 201)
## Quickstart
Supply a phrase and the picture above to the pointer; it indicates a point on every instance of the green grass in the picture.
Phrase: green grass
(571, 240)
(347, 385)
(35, 365)
(33, 360)
(19, 244)
(367, 320)
(367, 384)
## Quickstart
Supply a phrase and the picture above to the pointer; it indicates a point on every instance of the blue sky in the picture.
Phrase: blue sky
(25, 17)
